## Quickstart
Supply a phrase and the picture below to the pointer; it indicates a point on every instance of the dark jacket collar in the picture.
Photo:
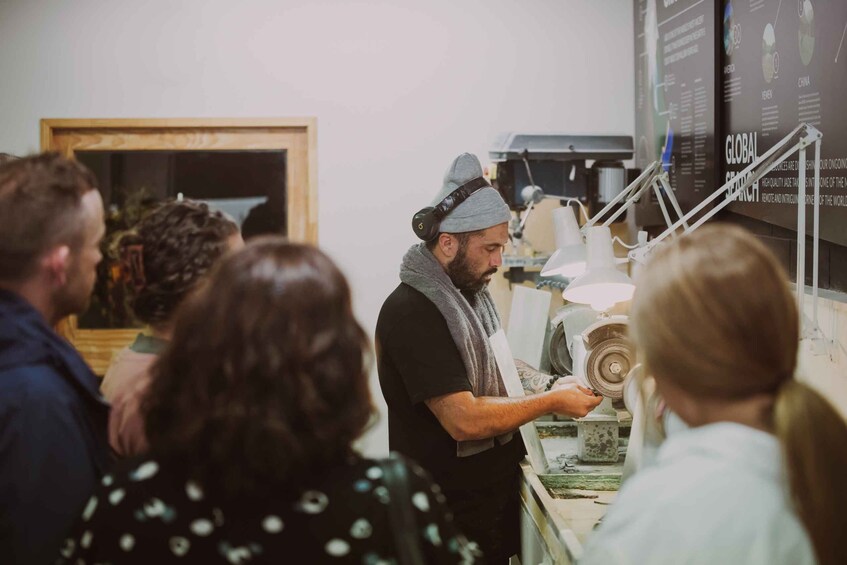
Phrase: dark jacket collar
(27, 339)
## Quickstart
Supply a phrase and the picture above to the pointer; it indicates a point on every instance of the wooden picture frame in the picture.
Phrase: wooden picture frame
(296, 136)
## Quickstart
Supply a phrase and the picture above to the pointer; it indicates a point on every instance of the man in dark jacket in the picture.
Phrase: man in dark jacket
(53, 420)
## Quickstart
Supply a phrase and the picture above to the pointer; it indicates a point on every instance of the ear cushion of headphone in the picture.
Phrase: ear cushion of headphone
(425, 224)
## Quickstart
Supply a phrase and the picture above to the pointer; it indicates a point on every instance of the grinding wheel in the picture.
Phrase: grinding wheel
(610, 359)
(560, 355)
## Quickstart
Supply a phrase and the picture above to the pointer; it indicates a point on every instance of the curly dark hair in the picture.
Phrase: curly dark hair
(180, 242)
(265, 381)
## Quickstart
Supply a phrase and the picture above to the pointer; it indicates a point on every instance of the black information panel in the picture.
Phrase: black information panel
(676, 70)
(785, 62)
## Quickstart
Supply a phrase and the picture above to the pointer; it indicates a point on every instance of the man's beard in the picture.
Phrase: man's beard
(68, 302)
(74, 297)
(460, 272)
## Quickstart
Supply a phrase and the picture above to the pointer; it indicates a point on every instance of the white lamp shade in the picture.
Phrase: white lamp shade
(568, 262)
(569, 259)
(602, 285)
(601, 289)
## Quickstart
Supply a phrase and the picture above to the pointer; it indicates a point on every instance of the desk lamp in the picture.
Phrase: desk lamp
(597, 281)
(569, 259)
(602, 285)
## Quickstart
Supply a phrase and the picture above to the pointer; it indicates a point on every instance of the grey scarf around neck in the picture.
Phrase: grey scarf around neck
(470, 324)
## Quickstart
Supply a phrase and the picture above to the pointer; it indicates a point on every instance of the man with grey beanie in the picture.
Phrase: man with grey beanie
(447, 405)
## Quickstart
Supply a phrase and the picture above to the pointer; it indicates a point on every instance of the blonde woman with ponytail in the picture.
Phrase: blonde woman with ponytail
(759, 477)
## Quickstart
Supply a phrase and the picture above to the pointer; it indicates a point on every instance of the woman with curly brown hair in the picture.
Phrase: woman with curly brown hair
(251, 418)
(167, 254)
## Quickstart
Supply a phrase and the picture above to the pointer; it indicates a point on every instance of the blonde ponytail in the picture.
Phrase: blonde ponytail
(814, 443)
(713, 315)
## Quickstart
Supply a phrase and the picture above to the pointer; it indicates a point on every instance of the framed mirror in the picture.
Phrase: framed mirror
(259, 172)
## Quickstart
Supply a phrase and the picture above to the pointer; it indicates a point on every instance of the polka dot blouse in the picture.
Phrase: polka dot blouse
(146, 512)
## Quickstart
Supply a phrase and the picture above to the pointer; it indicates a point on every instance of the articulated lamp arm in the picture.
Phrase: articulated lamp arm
(802, 136)
(653, 176)
(795, 142)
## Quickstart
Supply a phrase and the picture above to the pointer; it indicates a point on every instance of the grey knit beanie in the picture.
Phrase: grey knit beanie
(483, 209)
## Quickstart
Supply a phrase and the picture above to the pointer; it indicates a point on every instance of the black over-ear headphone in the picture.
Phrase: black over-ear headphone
(427, 222)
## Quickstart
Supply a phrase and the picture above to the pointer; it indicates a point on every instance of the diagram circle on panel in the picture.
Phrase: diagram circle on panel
(729, 29)
(770, 58)
(806, 34)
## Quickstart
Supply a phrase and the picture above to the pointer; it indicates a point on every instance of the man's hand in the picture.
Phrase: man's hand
(533, 380)
(574, 400)
(566, 380)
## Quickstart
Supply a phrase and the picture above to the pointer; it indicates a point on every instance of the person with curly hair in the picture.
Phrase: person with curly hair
(166, 256)
(251, 416)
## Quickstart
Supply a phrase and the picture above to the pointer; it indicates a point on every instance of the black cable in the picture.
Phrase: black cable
(525, 156)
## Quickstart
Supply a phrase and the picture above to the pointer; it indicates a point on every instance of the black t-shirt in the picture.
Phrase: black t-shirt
(417, 359)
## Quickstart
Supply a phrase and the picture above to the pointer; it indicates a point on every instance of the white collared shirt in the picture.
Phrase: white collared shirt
(717, 494)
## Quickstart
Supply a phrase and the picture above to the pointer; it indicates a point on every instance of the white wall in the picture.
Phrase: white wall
(824, 364)
(399, 88)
